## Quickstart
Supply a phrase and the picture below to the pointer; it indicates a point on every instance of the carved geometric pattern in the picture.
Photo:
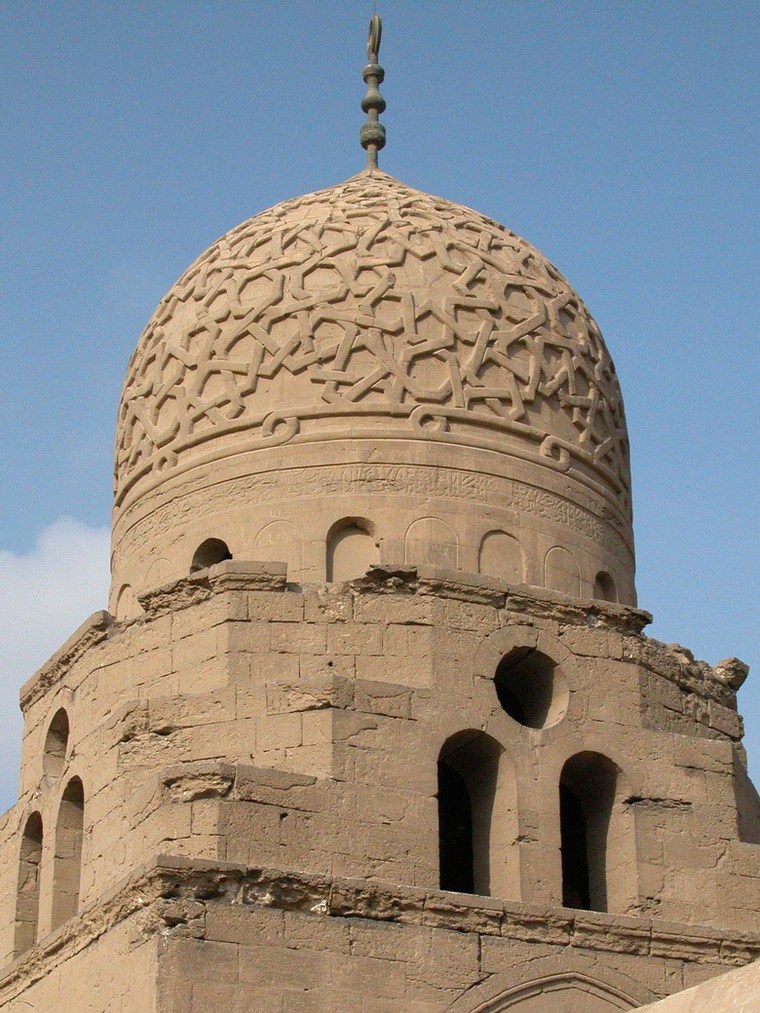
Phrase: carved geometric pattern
(369, 303)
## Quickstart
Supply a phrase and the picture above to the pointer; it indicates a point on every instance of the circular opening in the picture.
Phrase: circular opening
(209, 553)
(530, 688)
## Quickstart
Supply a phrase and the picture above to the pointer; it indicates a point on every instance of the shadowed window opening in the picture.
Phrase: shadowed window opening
(575, 892)
(477, 817)
(209, 553)
(587, 791)
(28, 888)
(56, 744)
(604, 587)
(454, 830)
(530, 689)
(67, 867)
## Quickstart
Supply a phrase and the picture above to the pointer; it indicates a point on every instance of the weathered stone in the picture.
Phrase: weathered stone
(419, 757)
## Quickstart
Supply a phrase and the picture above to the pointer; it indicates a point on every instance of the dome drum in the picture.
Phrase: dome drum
(372, 350)
(423, 503)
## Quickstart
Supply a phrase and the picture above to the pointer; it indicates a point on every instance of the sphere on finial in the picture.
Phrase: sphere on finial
(372, 135)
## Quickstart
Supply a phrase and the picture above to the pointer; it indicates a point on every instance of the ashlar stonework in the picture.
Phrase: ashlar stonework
(261, 823)
(373, 724)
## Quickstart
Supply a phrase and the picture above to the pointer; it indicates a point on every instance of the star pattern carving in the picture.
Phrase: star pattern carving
(371, 300)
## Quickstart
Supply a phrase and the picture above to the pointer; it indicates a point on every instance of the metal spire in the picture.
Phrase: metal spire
(372, 134)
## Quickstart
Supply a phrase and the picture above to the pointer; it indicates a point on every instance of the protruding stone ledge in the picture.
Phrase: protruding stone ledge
(564, 608)
(242, 575)
(542, 602)
(230, 575)
(91, 632)
(197, 879)
(171, 896)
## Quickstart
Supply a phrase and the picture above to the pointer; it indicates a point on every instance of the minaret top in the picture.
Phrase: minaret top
(372, 134)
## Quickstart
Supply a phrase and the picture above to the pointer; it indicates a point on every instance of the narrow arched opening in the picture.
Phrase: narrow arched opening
(351, 549)
(28, 886)
(589, 840)
(604, 587)
(209, 553)
(67, 863)
(454, 831)
(56, 744)
(477, 820)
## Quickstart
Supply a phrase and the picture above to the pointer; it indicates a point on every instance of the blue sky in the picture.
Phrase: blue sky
(621, 139)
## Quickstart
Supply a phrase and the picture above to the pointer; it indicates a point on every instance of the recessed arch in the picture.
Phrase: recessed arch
(351, 548)
(598, 850)
(67, 863)
(159, 572)
(605, 587)
(501, 555)
(477, 817)
(432, 542)
(127, 605)
(56, 744)
(591, 984)
(279, 542)
(568, 990)
(561, 571)
(209, 553)
(28, 885)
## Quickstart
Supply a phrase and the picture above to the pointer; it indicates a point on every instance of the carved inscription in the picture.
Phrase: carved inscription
(370, 299)
(292, 484)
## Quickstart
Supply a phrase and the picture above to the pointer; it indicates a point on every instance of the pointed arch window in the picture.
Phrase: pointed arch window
(598, 843)
(28, 886)
(67, 864)
(477, 817)
(56, 744)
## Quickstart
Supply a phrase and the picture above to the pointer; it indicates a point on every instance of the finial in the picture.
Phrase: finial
(372, 134)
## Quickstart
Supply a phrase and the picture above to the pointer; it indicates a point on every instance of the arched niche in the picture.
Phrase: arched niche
(28, 885)
(561, 571)
(604, 587)
(56, 744)
(209, 553)
(127, 605)
(279, 542)
(351, 549)
(477, 817)
(571, 983)
(67, 863)
(432, 542)
(501, 555)
(598, 847)
(565, 992)
(159, 572)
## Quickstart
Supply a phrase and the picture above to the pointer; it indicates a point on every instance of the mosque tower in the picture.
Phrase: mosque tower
(372, 724)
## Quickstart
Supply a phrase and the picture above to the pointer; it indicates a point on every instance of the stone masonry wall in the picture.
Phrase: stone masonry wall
(239, 720)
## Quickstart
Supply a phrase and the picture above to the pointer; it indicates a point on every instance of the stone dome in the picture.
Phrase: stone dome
(370, 359)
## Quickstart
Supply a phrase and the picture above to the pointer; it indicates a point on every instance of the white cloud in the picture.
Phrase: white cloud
(44, 597)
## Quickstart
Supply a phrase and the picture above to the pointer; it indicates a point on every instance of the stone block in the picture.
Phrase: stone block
(275, 606)
(313, 693)
(298, 638)
(382, 698)
(355, 638)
